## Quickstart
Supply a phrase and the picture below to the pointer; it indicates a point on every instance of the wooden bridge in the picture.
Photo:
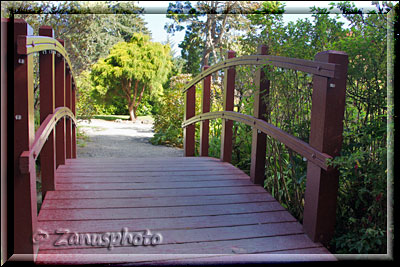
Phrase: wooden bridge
(163, 210)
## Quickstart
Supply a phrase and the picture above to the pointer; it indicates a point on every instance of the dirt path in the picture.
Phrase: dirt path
(121, 139)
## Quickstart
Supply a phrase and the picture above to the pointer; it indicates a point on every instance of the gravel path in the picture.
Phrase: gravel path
(121, 139)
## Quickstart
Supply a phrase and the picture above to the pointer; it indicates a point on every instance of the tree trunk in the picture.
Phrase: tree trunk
(132, 115)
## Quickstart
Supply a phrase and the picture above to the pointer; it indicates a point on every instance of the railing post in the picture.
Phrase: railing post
(68, 122)
(25, 200)
(189, 131)
(73, 125)
(205, 107)
(327, 112)
(60, 102)
(47, 101)
(229, 90)
(258, 145)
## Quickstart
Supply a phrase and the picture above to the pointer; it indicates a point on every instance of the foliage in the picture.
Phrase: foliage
(130, 69)
(168, 120)
(362, 198)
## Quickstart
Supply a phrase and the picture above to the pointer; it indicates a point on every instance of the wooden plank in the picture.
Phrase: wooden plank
(186, 259)
(72, 179)
(154, 193)
(156, 202)
(240, 246)
(149, 174)
(141, 186)
(164, 212)
(169, 223)
(187, 236)
(133, 160)
(139, 165)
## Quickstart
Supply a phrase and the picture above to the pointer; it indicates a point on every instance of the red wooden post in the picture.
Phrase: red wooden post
(60, 102)
(6, 92)
(258, 146)
(229, 90)
(205, 107)
(47, 101)
(189, 131)
(328, 103)
(25, 202)
(73, 125)
(68, 122)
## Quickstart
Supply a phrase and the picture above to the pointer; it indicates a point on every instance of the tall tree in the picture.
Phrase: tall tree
(89, 29)
(130, 69)
(209, 24)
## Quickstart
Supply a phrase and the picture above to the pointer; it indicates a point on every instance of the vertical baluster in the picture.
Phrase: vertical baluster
(258, 146)
(60, 102)
(229, 90)
(205, 107)
(73, 125)
(68, 122)
(25, 200)
(189, 131)
(47, 99)
(327, 112)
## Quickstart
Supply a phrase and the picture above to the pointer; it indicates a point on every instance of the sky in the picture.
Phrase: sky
(155, 17)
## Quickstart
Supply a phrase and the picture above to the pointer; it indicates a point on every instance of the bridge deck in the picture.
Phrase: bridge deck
(204, 209)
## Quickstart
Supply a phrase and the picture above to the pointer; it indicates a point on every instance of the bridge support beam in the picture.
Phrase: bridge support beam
(189, 131)
(259, 139)
(229, 91)
(47, 102)
(205, 107)
(327, 112)
(25, 199)
(60, 102)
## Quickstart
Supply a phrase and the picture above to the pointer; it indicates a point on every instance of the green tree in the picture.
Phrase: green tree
(130, 69)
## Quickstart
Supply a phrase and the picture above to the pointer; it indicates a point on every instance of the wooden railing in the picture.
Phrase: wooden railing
(329, 71)
(55, 139)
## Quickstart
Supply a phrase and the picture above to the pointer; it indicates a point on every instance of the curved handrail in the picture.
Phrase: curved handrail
(33, 44)
(309, 66)
(297, 145)
(27, 158)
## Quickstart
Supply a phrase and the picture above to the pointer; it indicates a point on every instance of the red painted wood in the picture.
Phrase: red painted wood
(156, 202)
(60, 102)
(328, 103)
(258, 148)
(154, 193)
(188, 236)
(47, 104)
(25, 209)
(169, 223)
(241, 246)
(73, 125)
(7, 69)
(159, 185)
(150, 213)
(189, 132)
(226, 132)
(74, 179)
(205, 107)
(68, 122)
